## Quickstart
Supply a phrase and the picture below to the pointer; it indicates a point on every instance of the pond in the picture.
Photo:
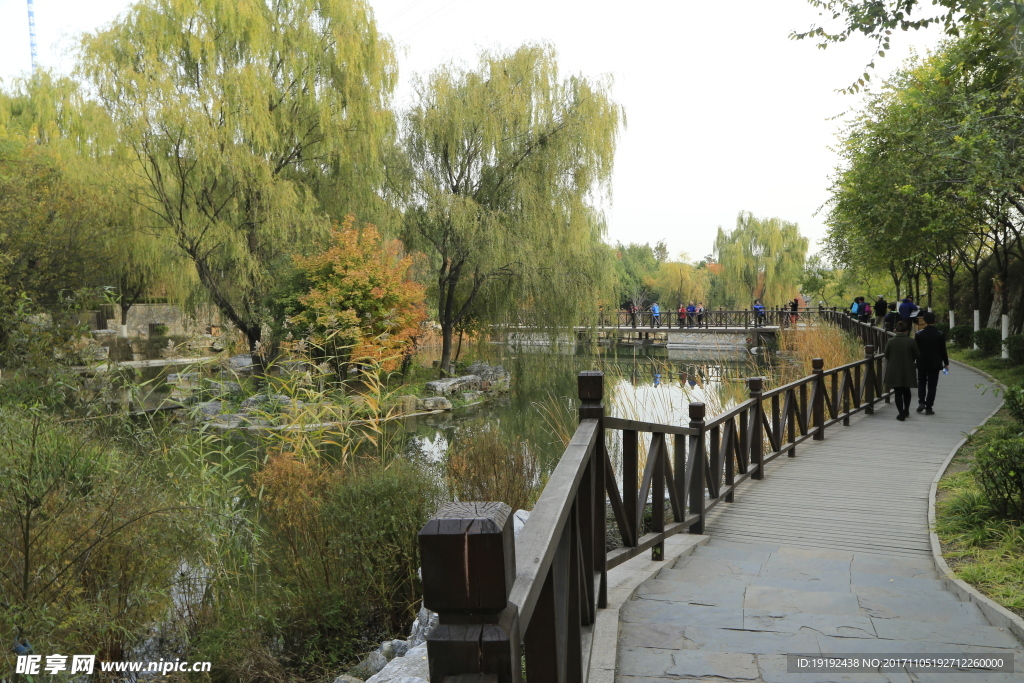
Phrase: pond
(641, 382)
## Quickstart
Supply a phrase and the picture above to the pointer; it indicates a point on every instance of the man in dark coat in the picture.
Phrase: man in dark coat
(932, 344)
(881, 306)
(900, 354)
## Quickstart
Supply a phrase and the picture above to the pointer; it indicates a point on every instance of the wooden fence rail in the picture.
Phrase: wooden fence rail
(508, 606)
(670, 319)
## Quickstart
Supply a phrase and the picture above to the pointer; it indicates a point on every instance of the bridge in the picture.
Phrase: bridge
(795, 523)
(718, 330)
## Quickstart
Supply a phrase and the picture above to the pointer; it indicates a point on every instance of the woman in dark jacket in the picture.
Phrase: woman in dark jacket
(901, 353)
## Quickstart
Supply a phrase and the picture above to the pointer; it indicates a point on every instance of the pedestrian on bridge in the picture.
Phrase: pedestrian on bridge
(932, 344)
(758, 313)
(700, 314)
(691, 313)
(655, 315)
(901, 354)
(881, 308)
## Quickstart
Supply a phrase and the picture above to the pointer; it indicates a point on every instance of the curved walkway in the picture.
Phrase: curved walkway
(829, 554)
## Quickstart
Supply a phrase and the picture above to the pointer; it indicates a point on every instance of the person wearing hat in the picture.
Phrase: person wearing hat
(901, 354)
(932, 345)
(880, 309)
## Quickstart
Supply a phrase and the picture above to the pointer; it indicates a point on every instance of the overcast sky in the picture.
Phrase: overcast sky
(725, 113)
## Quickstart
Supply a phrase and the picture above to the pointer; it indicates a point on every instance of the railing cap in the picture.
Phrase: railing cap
(697, 411)
(590, 386)
(468, 558)
(755, 384)
(818, 363)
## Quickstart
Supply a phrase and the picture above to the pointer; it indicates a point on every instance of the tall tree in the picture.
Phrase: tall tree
(762, 258)
(505, 161)
(237, 113)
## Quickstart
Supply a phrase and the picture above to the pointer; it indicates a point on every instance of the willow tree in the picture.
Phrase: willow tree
(237, 114)
(762, 258)
(505, 161)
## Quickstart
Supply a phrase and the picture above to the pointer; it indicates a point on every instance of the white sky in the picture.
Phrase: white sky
(725, 113)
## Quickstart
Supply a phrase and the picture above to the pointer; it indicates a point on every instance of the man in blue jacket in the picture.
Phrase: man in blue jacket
(909, 312)
(655, 314)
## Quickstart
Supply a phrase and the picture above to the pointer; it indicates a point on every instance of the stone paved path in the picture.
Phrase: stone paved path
(829, 554)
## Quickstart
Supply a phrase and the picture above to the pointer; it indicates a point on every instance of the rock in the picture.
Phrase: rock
(209, 409)
(453, 385)
(470, 396)
(490, 373)
(406, 404)
(519, 521)
(223, 388)
(241, 364)
(182, 378)
(228, 421)
(436, 403)
(264, 400)
(412, 668)
(394, 648)
(347, 679)
(373, 663)
(421, 628)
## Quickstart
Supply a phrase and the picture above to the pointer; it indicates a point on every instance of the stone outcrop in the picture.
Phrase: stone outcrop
(454, 385)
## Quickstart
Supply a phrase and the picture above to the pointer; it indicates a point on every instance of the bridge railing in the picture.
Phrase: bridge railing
(671, 319)
(528, 605)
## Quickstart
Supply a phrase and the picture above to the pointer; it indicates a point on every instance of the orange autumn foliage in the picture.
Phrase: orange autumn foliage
(360, 304)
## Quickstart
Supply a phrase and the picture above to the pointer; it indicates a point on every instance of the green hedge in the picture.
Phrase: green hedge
(961, 336)
(1014, 345)
(988, 341)
(999, 470)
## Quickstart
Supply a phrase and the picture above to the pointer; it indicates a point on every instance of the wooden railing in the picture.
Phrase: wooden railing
(671, 319)
(508, 606)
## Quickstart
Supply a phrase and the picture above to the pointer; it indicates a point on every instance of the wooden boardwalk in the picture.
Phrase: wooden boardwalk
(865, 487)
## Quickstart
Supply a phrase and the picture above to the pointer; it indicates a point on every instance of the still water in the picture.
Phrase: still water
(641, 383)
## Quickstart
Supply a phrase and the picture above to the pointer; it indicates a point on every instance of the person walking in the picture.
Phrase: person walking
(932, 345)
(881, 308)
(794, 311)
(700, 314)
(632, 314)
(682, 315)
(908, 310)
(655, 315)
(758, 313)
(865, 311)
(691, 313)
(891, 318)
(900, 355)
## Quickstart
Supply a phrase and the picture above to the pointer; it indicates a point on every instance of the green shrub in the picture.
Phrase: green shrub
(943, 328)
(988, 341)
(999, 470)
(961, 336)
(1014, 398)
(1014, 345)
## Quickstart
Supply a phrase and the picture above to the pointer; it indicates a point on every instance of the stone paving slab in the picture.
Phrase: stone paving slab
(830, 554)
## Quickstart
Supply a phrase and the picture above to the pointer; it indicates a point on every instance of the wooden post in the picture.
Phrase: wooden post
(590, 390)
(869, 379)
(818, 409)
(658, 495)
(697, 467)
(468, 556)
(756, 440)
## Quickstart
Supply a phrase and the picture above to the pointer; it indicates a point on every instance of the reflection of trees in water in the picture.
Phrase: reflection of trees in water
(640, 384)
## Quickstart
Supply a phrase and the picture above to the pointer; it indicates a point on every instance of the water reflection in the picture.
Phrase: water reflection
(640, 383)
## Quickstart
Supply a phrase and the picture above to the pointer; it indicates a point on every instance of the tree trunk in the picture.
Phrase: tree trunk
(446, 348)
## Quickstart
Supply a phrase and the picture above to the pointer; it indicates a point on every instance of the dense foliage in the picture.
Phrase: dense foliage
(355, 301)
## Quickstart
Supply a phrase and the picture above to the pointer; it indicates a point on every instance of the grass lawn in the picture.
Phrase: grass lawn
(983, 550)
